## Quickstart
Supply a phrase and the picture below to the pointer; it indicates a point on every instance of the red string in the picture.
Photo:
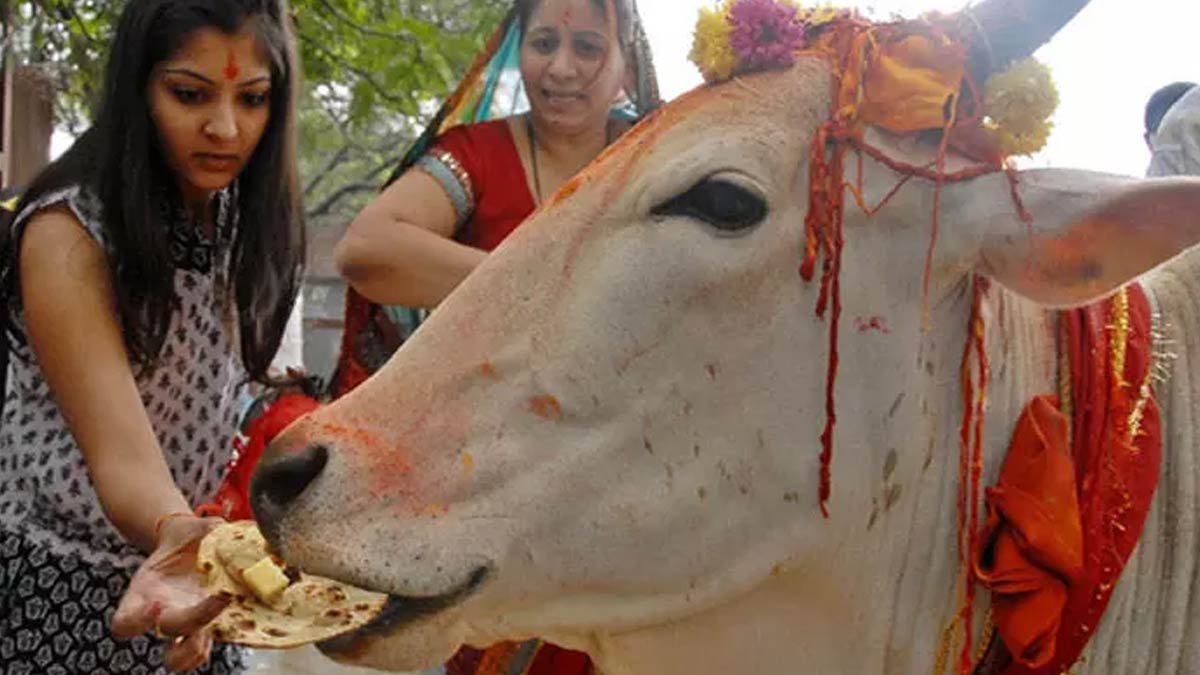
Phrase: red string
(926, 172)
(823, 234)
(831, 288)
(824, 237)
(970, 468)
(1022, 213)
(964, 444)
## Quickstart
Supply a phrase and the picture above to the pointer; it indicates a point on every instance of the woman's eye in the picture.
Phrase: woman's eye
(255, 99)
(588, 50)
(544, 45)
(722, 203)
(187, 95)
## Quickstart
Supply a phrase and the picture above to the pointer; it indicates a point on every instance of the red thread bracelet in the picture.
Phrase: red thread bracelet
(162, 520)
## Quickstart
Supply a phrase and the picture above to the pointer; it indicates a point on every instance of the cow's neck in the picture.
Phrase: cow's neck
(881, 596)
(920, 544)
(1152, 623)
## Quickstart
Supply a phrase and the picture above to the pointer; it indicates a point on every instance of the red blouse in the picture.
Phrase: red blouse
(488, 155)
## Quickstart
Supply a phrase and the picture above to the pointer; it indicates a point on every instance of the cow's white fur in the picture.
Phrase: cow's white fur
(666, 521)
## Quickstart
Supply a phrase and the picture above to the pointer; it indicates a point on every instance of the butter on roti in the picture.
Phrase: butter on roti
(270, 609)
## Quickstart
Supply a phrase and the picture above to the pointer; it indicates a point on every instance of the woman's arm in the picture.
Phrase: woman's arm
(70, 315)
(399, 251)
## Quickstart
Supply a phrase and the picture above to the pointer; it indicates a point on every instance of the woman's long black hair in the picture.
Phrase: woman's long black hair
(119, 160)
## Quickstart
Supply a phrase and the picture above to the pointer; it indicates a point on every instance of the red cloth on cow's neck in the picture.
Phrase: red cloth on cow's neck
(1050, 588)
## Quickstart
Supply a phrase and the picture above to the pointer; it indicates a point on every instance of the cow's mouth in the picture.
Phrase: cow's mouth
(400, 611)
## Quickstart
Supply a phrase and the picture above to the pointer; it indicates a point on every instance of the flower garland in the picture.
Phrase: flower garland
(739, 37)
(1018, 104)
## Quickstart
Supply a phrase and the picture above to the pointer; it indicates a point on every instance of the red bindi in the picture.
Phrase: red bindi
(231, 67)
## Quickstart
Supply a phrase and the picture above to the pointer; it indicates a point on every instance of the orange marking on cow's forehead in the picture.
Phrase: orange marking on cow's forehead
(637, 143)
(569, 188)
(659, 121)
(545, 407)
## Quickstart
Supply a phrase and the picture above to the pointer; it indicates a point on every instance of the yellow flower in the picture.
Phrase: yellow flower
(712, 49)
(1024, 142)
(1018, 104)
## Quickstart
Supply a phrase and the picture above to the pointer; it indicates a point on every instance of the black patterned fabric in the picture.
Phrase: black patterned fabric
(192, 397)
(54, 617)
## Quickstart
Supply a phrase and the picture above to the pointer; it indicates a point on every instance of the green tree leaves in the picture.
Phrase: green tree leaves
(375, 70)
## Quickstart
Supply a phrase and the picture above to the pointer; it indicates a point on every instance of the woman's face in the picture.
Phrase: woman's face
(210, 102)
(571, 64)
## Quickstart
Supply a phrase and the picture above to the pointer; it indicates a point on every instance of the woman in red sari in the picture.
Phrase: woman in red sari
(421, 236)
(476, 183)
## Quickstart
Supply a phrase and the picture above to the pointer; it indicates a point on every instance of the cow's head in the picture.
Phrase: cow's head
(613, 423)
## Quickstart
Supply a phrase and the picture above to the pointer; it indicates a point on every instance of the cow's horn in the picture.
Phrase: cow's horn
(1008, 30)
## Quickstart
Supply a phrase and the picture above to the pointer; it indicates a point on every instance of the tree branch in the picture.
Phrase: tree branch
(368, 183)
(337, 14)
(337, 158)
(345, 191)
(82, 26)
(367, 77)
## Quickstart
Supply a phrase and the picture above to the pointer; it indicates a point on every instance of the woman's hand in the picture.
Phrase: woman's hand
(167, 596)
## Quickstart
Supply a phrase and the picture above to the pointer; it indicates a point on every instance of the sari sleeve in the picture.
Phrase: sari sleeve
(454, 163)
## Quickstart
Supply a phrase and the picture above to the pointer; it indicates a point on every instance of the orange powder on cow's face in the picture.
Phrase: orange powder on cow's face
(569, 188)
(488, 371)
(367, 442)
(545, 407)
(386, 463)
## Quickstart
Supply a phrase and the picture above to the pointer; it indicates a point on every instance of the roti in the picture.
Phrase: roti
(309, 609)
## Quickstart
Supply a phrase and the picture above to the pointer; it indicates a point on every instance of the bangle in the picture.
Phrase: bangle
(162, 520)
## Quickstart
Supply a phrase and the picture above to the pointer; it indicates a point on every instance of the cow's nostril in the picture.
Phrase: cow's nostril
(279, 481)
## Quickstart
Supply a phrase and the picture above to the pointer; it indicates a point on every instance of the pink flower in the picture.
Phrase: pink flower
(766, 33)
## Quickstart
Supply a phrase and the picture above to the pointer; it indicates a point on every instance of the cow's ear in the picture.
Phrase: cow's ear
(1091, 233)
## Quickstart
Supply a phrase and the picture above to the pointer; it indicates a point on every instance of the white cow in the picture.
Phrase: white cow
(608, 436)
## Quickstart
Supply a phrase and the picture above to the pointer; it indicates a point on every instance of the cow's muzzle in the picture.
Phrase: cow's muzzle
(279, 480)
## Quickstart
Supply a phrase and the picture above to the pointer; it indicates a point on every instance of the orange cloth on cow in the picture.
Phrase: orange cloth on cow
(910, 81)
(1049, 506)
(1033, 540)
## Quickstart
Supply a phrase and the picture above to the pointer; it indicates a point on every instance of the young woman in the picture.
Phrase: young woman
(147, 277)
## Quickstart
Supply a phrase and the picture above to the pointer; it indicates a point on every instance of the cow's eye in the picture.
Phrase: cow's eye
(721, 202)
